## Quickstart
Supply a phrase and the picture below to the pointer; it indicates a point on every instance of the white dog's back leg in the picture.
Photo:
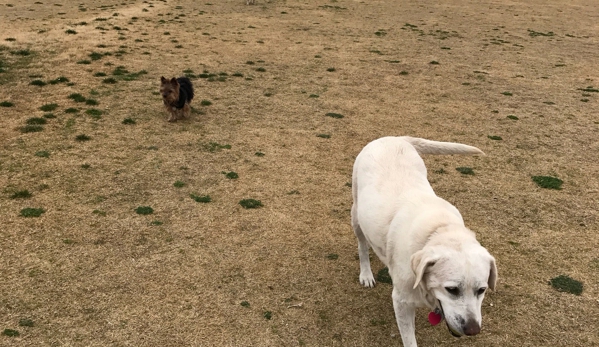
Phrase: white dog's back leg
(366, 276)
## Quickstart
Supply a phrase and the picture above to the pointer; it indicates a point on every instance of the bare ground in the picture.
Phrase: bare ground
(91, 272)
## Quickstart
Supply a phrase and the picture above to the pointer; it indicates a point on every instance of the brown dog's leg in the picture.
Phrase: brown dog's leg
(186, 110)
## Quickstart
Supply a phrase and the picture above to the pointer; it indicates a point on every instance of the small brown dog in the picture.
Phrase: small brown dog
(176, 93)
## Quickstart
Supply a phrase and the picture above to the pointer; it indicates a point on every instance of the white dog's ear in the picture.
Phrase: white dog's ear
(420, 262)
(492, 275)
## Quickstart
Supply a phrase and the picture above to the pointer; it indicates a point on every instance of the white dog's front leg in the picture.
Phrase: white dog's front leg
(405, 314)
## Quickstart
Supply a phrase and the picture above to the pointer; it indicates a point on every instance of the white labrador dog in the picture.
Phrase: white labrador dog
(433, 259)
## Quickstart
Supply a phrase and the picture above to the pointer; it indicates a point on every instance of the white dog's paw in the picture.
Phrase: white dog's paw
(367, 280)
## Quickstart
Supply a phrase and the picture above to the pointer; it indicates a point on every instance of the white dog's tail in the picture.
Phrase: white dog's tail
(424, 146)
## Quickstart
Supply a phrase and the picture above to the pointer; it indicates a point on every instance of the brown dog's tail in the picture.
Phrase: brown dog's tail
(424, 146)
(185, 84)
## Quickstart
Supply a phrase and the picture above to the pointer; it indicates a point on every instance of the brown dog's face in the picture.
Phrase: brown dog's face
(169, 90)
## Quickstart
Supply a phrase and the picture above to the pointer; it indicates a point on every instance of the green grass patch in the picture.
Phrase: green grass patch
(71, 110)
(383, 276)
(324, 136)
(91, 102)
(589, 90)
(10, 333)
(128, 121)
(215, 147)
(144, 210)
(120, 71)
(31, 128)
(21, 194)
(259, 154)
(566, 284)
(58, 80)
(77, 97)
(6, 104)
(134, 75)
(245, 304)
(250, 203)
(261, 69)
(533, 33)
(100, 74)
(179, 184)
(198, 198)
(465, 170)
(268, 315)
(36, 120)
(512, 117)
(331, 69)
(495, 138)
(49, 107)
(42, 154)
(82, 138)
(95, 56)
(109, 80)
(94, 112)
(71, 32)
(548, 182)
(434, 62)
(205, 102)
(84, 62)
(32, 212)
(507, 93)
(22, 52)
(38, 83)
(332, 256)
(334, 115)
(26, 322)
(231, 175)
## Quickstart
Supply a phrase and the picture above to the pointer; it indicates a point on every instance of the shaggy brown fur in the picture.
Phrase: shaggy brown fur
(176, 93)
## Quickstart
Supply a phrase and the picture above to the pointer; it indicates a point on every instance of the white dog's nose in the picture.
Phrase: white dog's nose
(471, 328)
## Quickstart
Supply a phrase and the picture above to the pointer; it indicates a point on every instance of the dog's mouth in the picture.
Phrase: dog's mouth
(455, 334)
(451, 330)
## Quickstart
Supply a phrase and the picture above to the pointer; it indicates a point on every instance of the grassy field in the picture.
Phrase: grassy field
(118, 228)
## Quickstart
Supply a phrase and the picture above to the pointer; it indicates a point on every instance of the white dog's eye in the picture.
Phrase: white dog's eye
(453, 290)
(481, 291)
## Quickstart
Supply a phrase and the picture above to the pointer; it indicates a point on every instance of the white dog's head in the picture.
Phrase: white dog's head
(457, 275)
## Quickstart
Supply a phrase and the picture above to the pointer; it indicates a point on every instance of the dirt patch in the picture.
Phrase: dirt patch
(516, 79)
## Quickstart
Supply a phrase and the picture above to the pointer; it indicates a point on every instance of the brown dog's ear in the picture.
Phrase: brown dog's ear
(162, 79)
(492, 281)
(420, 262)
(174, 82)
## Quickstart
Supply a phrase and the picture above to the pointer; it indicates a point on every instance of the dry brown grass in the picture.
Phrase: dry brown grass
(91, 272)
